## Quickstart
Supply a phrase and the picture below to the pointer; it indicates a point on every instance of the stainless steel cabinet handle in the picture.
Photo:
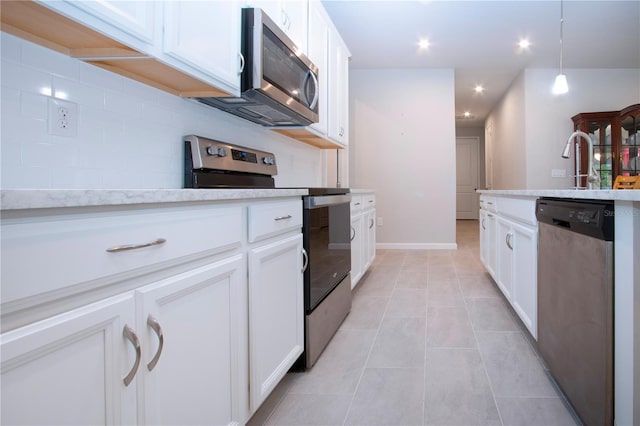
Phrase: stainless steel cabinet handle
(155, 326)
(341, 132)
(306, 260)
(356, 204)
(116, 249)
(483, 227)
(353, 235)
(283, 217)
(241, 63)
(371, 201)
(490, 203)
(371, 224)
(508, 240)
(130, 335)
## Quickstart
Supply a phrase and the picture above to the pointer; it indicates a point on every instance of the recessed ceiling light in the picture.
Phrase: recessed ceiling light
(524, 43)
(479, 88)
(467, 114)
(424, 44)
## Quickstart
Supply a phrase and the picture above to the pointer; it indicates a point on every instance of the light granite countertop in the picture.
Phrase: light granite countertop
(599, 194)
(18, 199)
(361, 191)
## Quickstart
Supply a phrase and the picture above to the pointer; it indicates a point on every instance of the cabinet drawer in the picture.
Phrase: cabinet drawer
(273, 218)
(369, 201)
(488, 203)
(522, 209)
(357, 203)
(48, 253)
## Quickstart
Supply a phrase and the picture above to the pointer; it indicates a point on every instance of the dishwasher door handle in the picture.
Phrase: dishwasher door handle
(561, 223)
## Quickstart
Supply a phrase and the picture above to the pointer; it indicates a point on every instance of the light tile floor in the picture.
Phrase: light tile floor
(429, 341)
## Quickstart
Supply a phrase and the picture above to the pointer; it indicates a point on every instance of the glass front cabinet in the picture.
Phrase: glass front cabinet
(616, 143)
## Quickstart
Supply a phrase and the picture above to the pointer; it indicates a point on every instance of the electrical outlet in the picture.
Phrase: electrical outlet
(380, 221)
(63, 118)
(558, 173)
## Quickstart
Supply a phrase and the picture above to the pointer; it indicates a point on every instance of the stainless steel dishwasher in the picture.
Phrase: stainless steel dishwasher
(575, 302)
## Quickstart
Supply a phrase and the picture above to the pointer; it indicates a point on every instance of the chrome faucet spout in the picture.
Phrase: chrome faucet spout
(593, 177)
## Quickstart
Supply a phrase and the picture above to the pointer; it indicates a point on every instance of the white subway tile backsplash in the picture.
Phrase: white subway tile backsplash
(55, 63)
(78, 92)
(99, 78)
(17, 76)
(10, 46)
(123, 104)
(129, 134)
(34, 106)
(88, 178)
(10, 99)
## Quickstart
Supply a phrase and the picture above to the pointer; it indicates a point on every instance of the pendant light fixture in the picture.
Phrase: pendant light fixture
(560, 85)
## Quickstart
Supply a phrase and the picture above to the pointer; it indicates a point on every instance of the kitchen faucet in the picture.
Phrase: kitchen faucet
(593, 178)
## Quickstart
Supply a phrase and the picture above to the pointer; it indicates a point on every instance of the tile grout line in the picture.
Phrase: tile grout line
(364, 367)
(475, 336)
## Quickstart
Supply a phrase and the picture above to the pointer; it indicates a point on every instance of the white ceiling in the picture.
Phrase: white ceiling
(479, 39)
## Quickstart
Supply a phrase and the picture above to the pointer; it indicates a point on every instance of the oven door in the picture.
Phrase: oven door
(326, 230)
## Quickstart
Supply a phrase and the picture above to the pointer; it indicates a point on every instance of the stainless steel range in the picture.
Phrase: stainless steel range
(326, 231)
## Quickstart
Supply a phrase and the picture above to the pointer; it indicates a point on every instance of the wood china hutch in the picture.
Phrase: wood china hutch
(616, 143)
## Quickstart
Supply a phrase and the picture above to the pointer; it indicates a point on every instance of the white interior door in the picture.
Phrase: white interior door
(467, 178)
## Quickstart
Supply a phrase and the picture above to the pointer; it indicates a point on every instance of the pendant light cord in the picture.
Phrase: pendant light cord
(561, 32)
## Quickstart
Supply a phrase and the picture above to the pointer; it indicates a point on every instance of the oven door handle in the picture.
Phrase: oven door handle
(316, 202)
(306, 260)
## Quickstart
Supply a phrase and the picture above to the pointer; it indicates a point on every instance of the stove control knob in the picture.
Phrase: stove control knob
(216, 151)
(269, 160)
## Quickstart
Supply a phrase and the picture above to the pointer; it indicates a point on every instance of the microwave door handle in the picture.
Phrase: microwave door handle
(310, 76)
(317, 92)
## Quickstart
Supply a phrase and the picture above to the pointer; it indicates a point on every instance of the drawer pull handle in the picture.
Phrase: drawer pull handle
(353, 235)
(130, 335)
(508, 240)
(155, 326)
(483, 227)
(371, 201)
(283, 217)
(127, 247)
(356, 204)
(371, 224)
(306, 260)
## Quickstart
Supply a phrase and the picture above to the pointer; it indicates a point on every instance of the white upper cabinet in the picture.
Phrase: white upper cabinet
(290, 15)
(135, 18)
(338, 89)
(206, 36)
(318, 54)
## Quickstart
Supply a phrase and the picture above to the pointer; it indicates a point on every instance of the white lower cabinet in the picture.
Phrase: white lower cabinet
(509, 252)
(276, 314)
(504, 274)
(168, 353)
(194, 373)
(525, 272)
(488, 254)
(146, 320)
(357, 247)
(69, 369)
(363, 235)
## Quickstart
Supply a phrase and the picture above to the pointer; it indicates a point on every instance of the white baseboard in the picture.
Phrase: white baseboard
(417, 246)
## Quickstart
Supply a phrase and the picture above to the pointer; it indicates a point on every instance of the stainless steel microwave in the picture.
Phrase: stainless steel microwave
(278, 83)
